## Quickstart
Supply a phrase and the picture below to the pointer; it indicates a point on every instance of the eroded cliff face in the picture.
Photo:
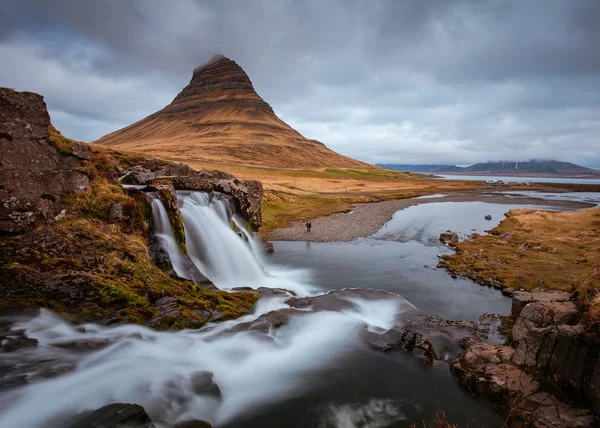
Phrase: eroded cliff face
(549, 372)
(73, 240)
(36, 173)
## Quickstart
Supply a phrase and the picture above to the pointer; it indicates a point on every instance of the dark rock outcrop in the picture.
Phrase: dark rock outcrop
(35, 174)
(548, 374)
(117, 415)
(425, 336)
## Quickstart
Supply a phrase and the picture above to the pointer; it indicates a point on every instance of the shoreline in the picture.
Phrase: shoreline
(365, 219)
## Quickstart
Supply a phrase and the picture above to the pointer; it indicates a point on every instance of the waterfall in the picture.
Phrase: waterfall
(164, 232)
(213, 245)
(216, 250)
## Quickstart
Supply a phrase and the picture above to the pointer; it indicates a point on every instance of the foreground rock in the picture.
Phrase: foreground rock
(448, 237)
(120, 415)
(548, 375)
(114, 415)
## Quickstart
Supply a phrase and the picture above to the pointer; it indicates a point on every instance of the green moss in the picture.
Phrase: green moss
(62, 144)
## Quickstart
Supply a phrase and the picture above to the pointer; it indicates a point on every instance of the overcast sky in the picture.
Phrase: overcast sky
(427, 81)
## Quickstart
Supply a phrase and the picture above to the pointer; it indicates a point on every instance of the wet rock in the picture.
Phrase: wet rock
(202, 383)
(425, 336)
(14, 341)
(508, 291)
(35, 176)
(267, 246)
(488, 217)
(114, 415)
(167, 306)
(266, 291)
(448, 237)
(159, 255)
(193, 424)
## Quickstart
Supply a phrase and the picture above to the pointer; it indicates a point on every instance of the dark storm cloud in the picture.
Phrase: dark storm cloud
(405, 81)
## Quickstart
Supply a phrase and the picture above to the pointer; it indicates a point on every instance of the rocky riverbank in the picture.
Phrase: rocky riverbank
(366, 219)
(548, 374)
(73, 240)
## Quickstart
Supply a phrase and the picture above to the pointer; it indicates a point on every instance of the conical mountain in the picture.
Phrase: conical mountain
(219, 117)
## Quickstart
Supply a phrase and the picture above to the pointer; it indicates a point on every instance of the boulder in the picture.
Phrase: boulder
(202, 181)
(117, 415)
(203, 384)
(35, 174)
(448, 237)
(488, 217)
(138, 175)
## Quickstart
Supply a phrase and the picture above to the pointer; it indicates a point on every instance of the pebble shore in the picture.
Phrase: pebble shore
(366, 219)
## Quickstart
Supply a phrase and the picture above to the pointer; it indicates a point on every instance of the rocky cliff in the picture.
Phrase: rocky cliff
(548, 375)
(219, 117)
(73, 240)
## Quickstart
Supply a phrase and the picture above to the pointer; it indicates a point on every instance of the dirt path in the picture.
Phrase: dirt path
(366, 219)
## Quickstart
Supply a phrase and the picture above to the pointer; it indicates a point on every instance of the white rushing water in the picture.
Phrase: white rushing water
(157, 369)
(164, 232)
(222, 256)
(135, 364)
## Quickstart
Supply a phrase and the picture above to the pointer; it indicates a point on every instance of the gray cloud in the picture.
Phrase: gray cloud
(388, 81)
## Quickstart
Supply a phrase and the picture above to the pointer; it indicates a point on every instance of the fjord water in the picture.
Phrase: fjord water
(314, 371)
(521, 179)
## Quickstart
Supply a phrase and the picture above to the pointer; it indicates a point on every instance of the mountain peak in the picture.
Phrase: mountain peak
(219, 117)
(219, 79)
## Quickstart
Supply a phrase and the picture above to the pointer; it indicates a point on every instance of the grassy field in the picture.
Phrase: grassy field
(299, 194)
(530, 249)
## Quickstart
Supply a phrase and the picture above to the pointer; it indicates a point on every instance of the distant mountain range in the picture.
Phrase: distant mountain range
(532, 168)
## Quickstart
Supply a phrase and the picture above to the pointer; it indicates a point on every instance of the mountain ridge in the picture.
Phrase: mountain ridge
(531, 168)
(219, 117)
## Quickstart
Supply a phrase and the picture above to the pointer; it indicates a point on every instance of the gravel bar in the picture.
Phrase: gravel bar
(366, 219)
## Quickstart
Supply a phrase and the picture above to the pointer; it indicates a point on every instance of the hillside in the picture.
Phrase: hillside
(219, 117)
(530, 168)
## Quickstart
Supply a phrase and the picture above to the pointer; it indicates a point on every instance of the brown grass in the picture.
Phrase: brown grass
(533, 249)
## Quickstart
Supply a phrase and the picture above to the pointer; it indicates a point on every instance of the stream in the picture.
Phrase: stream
(313, 371)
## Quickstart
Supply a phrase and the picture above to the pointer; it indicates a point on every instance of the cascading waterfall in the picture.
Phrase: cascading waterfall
(216, 249)
(164, 232)
(212, 244)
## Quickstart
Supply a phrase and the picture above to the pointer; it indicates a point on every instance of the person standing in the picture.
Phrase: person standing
(308, 226)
